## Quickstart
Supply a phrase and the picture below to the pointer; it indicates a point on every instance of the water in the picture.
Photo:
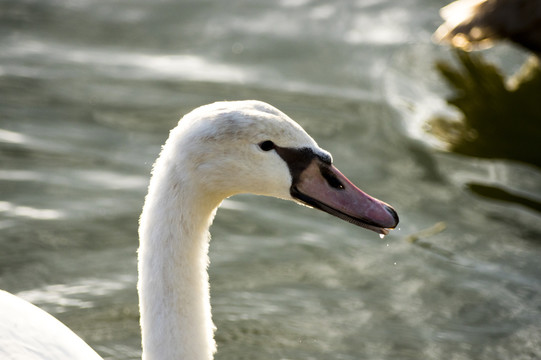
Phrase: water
(89, 91)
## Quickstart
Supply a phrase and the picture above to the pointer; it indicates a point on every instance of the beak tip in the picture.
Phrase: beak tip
(394, 214)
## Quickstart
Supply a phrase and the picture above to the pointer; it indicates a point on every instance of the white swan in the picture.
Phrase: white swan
(216, 151)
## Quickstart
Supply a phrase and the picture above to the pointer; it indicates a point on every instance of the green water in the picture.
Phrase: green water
(88, 93)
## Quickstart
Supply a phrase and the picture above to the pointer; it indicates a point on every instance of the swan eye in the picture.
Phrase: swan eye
(266, 145)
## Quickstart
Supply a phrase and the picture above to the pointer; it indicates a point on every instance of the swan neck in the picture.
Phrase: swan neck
(173, 283)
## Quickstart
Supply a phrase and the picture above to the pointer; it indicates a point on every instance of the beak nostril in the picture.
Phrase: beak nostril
(331, 178)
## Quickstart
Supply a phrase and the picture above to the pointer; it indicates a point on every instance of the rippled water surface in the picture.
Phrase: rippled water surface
(88, 93)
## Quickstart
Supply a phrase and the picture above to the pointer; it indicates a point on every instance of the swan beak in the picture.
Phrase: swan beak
(323, 187)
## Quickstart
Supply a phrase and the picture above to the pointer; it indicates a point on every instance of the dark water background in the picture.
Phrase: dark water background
(88, 93)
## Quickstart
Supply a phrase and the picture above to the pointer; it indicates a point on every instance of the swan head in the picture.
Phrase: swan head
(236, 147)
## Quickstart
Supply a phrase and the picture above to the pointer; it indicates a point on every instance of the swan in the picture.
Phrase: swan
(216, 151)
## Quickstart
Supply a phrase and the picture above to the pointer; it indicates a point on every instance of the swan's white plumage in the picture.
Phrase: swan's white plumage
(29, 333)
(212, 154)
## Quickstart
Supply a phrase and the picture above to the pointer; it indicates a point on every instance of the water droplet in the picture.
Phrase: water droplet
(394, 263)
(381, 236)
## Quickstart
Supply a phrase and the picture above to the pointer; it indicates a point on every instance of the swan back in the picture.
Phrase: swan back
(29, 333)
